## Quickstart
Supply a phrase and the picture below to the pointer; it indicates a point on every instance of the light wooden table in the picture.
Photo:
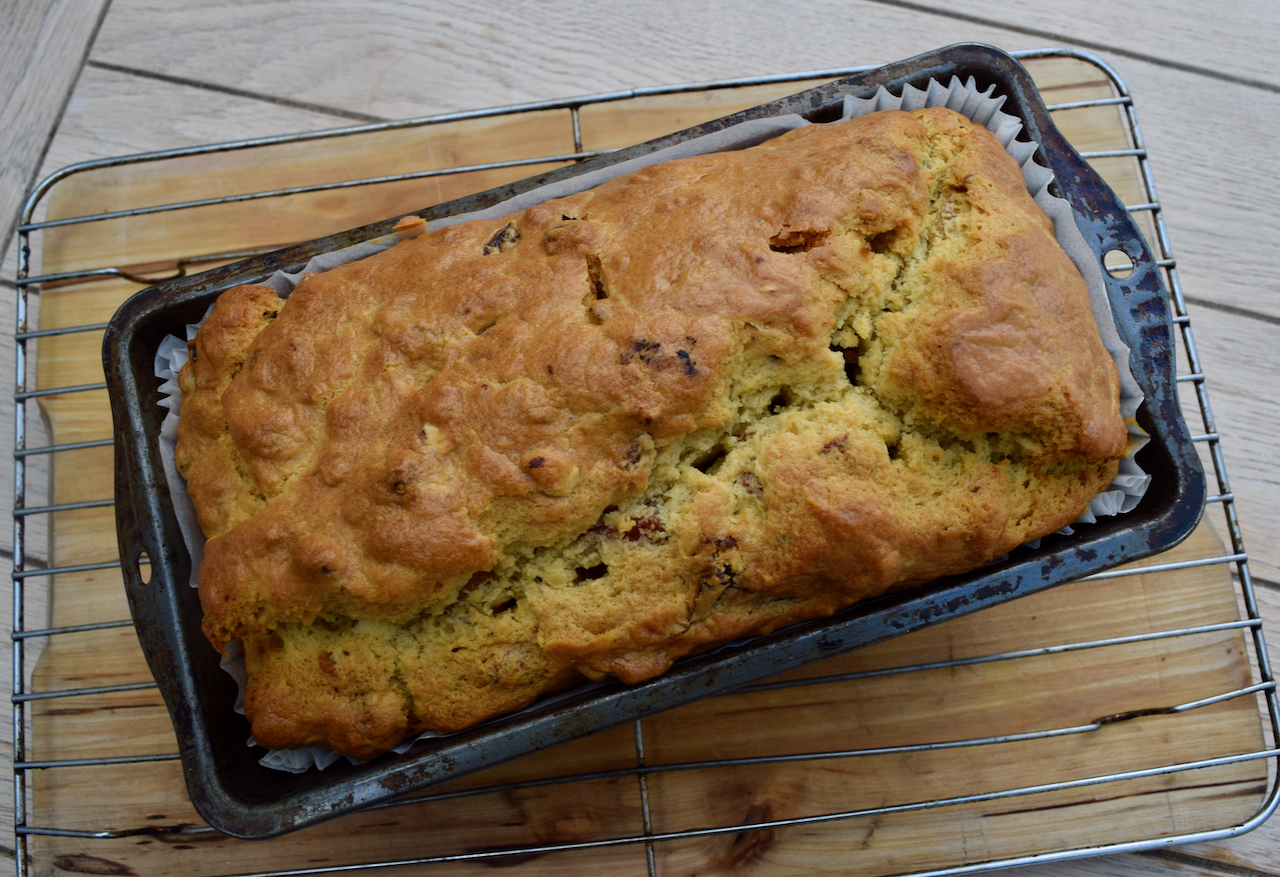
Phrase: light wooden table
(84, 79)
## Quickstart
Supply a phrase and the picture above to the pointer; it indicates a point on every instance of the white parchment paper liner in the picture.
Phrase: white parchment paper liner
(983, 107)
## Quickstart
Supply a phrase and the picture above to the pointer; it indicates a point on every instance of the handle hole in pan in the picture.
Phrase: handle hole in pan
(1117, 263)
(144, 567)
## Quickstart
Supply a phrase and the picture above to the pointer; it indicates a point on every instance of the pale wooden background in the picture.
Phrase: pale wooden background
(83, 79)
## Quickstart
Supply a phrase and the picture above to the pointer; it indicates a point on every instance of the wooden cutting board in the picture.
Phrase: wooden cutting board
(951, 695)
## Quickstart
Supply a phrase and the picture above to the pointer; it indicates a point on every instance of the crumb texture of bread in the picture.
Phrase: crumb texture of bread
(708, 399)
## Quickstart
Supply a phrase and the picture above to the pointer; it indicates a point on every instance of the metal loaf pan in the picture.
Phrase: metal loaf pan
(238, 796)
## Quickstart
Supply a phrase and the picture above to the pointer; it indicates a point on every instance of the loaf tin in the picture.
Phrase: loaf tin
(240, 797)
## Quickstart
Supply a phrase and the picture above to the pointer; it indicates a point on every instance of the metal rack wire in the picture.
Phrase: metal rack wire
(31, 573)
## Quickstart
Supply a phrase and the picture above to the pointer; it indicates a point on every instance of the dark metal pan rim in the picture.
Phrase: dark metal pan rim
(243, 799)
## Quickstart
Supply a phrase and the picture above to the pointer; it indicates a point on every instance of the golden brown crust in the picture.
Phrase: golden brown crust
(708, 399)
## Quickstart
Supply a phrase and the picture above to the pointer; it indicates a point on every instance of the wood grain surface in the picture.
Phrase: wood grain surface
(143, 76)
(949, 698)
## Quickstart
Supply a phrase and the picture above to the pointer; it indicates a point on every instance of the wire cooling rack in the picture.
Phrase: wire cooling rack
(655, 830)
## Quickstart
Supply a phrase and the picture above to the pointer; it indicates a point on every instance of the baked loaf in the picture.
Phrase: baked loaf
(705, 400)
